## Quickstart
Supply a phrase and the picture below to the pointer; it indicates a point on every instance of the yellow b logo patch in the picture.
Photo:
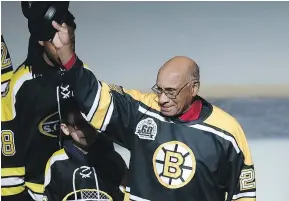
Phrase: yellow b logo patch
(174, 164)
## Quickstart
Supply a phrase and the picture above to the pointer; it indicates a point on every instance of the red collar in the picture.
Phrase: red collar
(194, 112)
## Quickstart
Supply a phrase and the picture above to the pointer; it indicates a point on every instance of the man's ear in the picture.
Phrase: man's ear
(195, 88)
(41, 43)
(64, 129)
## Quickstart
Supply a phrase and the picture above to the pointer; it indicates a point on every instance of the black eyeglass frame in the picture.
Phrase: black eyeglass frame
(157, 91)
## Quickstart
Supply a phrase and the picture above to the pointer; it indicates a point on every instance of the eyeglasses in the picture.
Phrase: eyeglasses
(77, 125)
(74, 126)
(170, 93)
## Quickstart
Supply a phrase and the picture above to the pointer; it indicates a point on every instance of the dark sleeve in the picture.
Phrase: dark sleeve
(241, 183)
(50, 194)
(51, 186)
(14, 141)
(12, 165)
(103, 156)
(23, 196)
(108, 108)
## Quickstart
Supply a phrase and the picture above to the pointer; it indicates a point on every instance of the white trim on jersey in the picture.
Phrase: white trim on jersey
(35, 196)
(153, 114)
(3, 87)
(108, 115)
(53, 159)
(243, 195)
(11, 181)
(18, 84)
(122, 189)
(221, 134)
(197, 126)
(95, 103)
(136, 198)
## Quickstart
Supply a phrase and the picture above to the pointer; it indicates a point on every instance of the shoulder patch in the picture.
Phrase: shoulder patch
(116, 88)
(6, 90)
(5, 57)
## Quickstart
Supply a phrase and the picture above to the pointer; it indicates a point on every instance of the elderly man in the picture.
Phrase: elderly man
(182, 147)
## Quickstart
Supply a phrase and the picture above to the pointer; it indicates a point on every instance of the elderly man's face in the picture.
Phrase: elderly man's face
(175, 93)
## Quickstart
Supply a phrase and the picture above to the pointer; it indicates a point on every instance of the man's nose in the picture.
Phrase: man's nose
(163, 99)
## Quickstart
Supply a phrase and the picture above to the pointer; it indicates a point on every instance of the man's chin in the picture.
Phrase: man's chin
(167, 113)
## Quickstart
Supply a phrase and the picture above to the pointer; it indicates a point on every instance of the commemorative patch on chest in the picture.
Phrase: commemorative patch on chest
(146, 129)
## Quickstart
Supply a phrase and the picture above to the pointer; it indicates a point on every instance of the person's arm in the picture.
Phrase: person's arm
(105, 158)
(241, 183)
(13, 140)
(109, 108)
(52, 185)
(17, 110)
(6, 67)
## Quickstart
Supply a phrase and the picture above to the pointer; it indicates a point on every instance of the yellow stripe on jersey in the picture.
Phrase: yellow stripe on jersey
(8, 191)
(86, 66)
(149, 99)
(57, 156)
(13, 171)
(57, 153)
(36, 188)
(224, 121)
(19, 77)
(103, 105)
(7, 76)
(126, 196)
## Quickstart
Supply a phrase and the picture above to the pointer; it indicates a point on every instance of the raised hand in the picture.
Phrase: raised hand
(62, 42)
(62, 37)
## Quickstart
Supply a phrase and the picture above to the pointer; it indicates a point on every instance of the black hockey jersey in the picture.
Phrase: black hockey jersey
(70, 175)
(207, 159)
(30, 126)
(6, 66)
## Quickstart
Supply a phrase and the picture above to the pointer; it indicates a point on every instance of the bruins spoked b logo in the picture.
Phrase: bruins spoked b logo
(174, 164)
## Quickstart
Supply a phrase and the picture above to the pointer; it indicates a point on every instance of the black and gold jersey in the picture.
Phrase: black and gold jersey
(207, 159)
(70, 173)
(6, 66)
(30, 127)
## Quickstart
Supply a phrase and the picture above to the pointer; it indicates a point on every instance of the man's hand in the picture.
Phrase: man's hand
(61, 38)
(62, 42)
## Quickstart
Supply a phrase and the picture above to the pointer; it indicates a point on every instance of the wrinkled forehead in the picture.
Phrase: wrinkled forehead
(170, 79)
